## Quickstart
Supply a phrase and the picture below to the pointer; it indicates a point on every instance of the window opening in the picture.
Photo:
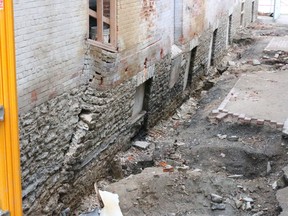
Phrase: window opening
(139, 100)
(102, 21)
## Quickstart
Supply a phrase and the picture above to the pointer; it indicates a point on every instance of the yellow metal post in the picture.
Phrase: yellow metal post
(10, 174)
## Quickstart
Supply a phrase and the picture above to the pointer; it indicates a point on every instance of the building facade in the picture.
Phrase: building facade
(93, 73)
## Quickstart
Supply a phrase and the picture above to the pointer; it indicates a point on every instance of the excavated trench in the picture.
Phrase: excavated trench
(233, 171)
(233, 160)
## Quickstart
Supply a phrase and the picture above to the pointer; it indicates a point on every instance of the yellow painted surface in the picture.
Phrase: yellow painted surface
(10, 176)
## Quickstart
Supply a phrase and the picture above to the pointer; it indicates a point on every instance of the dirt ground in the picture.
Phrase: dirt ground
(189, 157)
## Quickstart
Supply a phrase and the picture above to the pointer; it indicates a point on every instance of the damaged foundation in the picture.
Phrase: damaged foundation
(91, 99)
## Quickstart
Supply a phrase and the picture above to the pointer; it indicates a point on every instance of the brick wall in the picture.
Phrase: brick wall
(142, 23)
(49, 48)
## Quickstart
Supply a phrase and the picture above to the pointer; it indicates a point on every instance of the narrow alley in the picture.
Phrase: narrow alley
(197, 163)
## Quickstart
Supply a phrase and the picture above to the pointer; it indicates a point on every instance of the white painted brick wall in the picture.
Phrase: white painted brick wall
(49, 38)
(140, 25)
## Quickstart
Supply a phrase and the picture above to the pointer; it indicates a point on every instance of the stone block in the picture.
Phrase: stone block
(141, 144)
(285, 173)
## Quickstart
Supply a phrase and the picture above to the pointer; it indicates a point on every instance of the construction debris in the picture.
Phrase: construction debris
(141, 144)
(111, 204)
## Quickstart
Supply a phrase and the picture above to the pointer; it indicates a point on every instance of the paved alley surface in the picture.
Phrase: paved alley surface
(196, 164)
(278, 44)
(260, 96)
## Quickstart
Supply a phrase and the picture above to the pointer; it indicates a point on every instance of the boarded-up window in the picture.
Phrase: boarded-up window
(139, 99)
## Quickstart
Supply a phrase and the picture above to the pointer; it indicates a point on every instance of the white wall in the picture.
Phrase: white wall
(266, 6)
(49, 37)
(284, 6)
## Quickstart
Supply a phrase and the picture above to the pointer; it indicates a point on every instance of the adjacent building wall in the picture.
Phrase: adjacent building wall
(266, 6)
(284, 7)
(80, 104)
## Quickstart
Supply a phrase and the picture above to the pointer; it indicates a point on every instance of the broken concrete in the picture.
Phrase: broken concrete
(283, 201)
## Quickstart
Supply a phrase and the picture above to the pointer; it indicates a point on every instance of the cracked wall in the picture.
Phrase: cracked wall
(69, 136)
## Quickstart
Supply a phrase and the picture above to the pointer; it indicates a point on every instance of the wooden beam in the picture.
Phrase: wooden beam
(100, 21)
(93, 14)
(105, 46)
(113, 23)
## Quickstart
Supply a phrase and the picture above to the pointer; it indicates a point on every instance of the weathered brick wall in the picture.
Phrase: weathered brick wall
(142, 23)
(49, 48)
(68, 139)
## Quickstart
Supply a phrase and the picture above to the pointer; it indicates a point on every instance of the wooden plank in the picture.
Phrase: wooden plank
(113, 23)
(105, 46)
(100, 21)
(93, 14)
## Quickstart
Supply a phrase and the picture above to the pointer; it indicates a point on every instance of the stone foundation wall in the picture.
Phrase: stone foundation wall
(68, 142)
(62, 139)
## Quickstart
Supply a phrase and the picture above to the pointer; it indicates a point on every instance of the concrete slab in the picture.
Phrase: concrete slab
(283, 200)
(283, 19)
(277, 44)
(260, 97)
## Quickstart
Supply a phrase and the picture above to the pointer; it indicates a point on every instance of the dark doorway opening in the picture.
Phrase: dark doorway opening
(191, 72)
(252, 12)
(230, 30)
(213, 48)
